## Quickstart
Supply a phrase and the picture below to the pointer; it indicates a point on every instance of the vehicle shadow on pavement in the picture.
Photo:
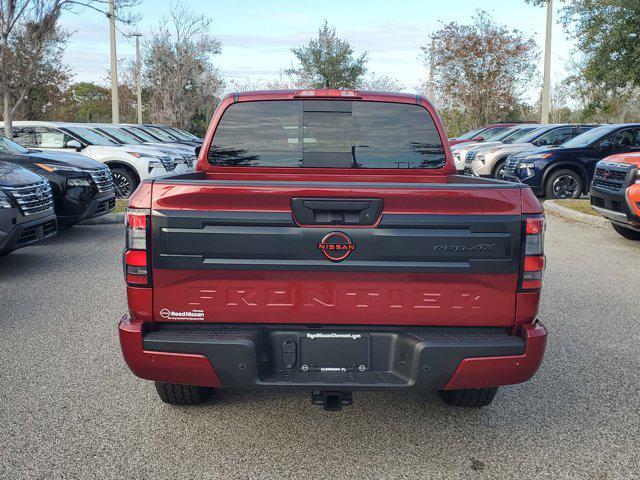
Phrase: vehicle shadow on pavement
(39, 258)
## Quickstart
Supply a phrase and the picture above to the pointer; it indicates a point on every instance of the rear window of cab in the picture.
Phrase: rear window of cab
(326, 134)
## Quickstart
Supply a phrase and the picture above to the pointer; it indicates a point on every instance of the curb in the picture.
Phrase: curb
(569, 214)
(109, 218)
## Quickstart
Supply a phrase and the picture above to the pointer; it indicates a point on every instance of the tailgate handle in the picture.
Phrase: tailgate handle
(336, 211)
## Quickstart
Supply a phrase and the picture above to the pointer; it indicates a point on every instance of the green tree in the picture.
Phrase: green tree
(328, 61)
(481, 72)
(87, 102)
(37, 75)
(607, 69)
(28, 29)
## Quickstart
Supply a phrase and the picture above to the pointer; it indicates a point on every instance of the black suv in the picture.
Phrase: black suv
(26, 208)
(81, 187)
(566, 171)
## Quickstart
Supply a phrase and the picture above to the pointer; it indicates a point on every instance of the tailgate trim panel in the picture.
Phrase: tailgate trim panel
(419, 243)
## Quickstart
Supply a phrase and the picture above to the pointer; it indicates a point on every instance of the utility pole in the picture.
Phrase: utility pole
(138, 76)
(115, 107)
(545, 107)
(432, 67)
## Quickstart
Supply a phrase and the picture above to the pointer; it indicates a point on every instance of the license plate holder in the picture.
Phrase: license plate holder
(334, 351)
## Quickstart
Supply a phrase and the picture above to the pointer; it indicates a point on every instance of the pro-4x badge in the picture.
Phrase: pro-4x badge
(336, 246)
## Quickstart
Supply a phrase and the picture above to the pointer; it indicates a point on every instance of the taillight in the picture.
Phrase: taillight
(137, 253)
(533, 267)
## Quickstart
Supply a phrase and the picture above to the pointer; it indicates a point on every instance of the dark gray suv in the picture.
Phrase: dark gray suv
(26, 208)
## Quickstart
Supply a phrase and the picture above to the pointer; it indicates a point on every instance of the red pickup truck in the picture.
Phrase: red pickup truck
(325, 243)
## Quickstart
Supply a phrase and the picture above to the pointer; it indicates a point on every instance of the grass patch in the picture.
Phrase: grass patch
(121, 205)
(582, 206)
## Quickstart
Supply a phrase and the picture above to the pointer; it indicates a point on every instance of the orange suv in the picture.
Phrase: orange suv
(615, 192)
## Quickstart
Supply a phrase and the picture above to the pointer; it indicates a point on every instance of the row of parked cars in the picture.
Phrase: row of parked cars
(53, 175)
(563, 161)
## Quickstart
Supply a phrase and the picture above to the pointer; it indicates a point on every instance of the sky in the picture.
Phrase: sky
(257, 35)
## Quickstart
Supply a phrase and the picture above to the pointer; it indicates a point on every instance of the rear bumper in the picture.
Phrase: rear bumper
(252, 356)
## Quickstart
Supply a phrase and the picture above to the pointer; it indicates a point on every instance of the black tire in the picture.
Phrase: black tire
(498, 169)
(564, 184)
(125, 182)
(470, 397)
(182, 394)
(626, 232)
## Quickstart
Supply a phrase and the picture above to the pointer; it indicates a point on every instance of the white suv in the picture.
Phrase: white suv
(178, 152)
(129, 164)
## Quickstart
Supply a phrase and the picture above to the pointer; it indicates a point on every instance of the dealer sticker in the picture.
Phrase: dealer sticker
(193, 314)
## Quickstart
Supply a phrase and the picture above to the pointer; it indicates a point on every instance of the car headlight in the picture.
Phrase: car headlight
(538, 156)
(135, 154)
(638, 177)
(57, 168)
(165, 162)
(155, 162)
(493, 150)
(526, 170)
(4, 200)
(189, 160)
(78, 182)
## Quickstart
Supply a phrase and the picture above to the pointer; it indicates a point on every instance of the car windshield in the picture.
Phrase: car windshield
(9, 146)
(493, 133)
(534, 134)
(589, 137)
(505, 134)
(139, 133)
(120, 135)
(89, 137)
(182, 134)
(471, 134)
(161, 134)
(519, 134)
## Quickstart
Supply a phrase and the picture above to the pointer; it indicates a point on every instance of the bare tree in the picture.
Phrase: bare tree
(283, 82)
(381, 83)
(483, 69)
(31, 25)
(181, 79)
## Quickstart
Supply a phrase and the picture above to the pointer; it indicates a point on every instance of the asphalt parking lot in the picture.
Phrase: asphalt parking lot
(70, 408)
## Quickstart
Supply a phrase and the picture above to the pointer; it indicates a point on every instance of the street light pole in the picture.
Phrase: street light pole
(138, 76)
(115, 107)
(432, 68)
(545, 107)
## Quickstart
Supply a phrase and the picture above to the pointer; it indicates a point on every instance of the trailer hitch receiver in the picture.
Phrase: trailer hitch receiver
(331, 401)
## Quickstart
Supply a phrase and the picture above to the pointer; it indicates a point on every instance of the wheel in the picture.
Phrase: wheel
(498, 170)
(564, 184)
(470, 397)
(626, 232)
(182, 394)
(124, 181)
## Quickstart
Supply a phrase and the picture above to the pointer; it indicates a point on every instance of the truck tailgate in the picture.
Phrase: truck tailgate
(443, 253)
